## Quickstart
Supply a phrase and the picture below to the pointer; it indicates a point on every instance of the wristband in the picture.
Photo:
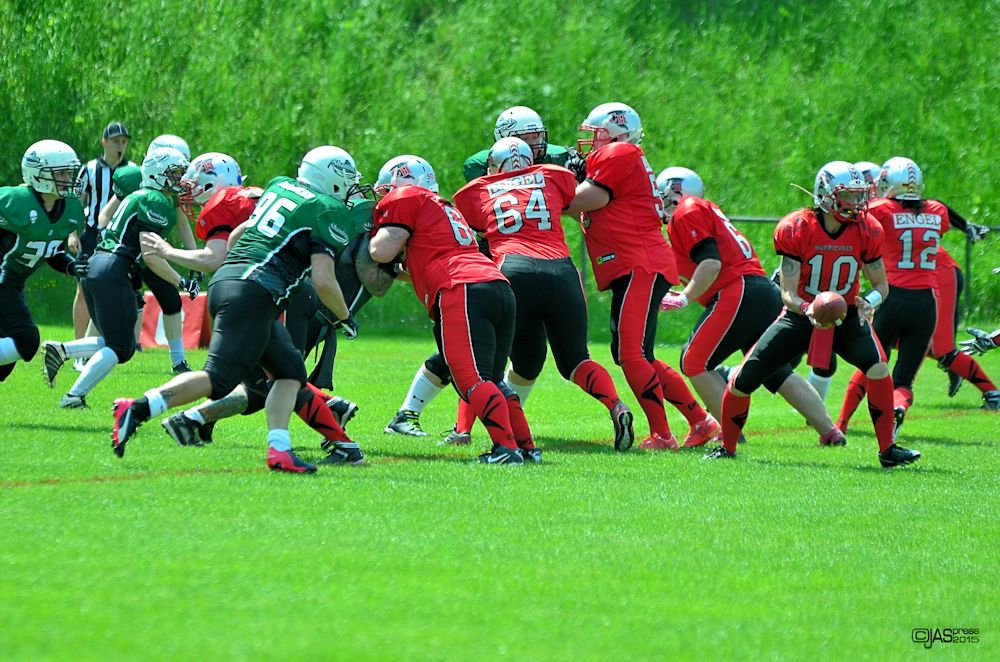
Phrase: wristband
(803, 307)
(874, 298)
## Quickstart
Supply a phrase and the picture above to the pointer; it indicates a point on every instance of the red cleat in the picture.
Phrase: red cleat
(702, 433)
(655, 442)
(126, 423)
(287, 461)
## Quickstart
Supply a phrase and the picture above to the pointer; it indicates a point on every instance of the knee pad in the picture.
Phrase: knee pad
(436, 366)
(26, 340)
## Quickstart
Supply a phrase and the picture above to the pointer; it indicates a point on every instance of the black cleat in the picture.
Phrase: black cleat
(182, 430)
(502, 455)
(719, 453)
(895, 456)
(181, 368)
(954, 383)
(532, 455)
(55, 356)
(405, 422)
(898, 414)
(621, 416)
(342, 410)
(991, 401)
(342, 453)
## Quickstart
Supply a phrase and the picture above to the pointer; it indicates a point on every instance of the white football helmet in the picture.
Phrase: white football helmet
(871, 172)
(330, 170)
(163, 168)
(675, 183)
(524, 123)
(507, 155)
(207, 174)
(405, 170)
(50, 166)
(610, 123)
(841, 191)
(901, 179)
(170, 140)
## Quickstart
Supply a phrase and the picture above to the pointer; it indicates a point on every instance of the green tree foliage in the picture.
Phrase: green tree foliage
(751, 94)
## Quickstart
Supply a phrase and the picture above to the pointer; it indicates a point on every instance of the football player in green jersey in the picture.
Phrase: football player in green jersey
(297, 226)
(35, 221)
(108, 288)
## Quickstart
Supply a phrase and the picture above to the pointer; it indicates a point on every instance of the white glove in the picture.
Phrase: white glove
(673, 301)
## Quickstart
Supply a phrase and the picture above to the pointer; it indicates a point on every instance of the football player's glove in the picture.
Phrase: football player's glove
(190, 285)
(79, 267)
(981, 342)
(349, 326)
(673, 301)
(576, 164)
(975, 232)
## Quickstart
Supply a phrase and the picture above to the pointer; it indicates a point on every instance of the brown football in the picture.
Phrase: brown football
(829, 308)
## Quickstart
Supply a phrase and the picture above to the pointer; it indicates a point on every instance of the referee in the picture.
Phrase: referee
(94, 183)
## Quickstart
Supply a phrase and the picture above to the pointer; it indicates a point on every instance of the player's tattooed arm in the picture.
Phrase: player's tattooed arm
(388, 242)
(876, 275)
(373, 277)
(790, 272)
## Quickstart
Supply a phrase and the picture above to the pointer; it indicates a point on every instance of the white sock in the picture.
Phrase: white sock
(8, 351)
(83, 348)
(821, 384)
(157, 403)
(195, 415)
(176, 346)
(522, 391)
(422, 391)
(279, 440)
(97, 368)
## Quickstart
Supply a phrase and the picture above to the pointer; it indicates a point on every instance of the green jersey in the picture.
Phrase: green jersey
(289, 224)
(146, 210)
(126, 180)
(29, 234)
(475, 165)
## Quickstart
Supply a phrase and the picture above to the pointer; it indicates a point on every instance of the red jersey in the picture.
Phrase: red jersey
(627, 233)
(945, 260)
(519, 212)
(829, 262)
(912, 240)
(441, 251)
(695, 220)
(225, 210)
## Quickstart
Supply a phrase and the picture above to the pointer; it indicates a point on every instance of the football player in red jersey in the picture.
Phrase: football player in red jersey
(724, 275)
(917, 262)
(630, 256)
(214, 182)
(823, 249)
(468, 298)
(517, 207)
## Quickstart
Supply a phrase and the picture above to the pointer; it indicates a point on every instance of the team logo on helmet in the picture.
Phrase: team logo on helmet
(618, 117)
(505, 124)
(403, 170)
(207, 166)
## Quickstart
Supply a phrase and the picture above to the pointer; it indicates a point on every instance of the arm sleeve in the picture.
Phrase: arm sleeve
(956, 219)
(706, 249)
(60, 261)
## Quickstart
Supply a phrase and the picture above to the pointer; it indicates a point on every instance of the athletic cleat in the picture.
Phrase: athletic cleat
(456, 438)
(724, 371)
(895, 456)
(842, 426)
(205, 431)
(533, 455)
(342, 453)
(898, 414)
(406, 421)
(343, 410)
(181, 368)
(621, 416)
(502, 455)
(954, 383)
(833, 438)
(126, 423)
(182, 429)
(287, 461)
(55, 356)
(702, 433)
(78, 364)
(991, 401)
(719, 453)
(70, 401)
(655, 442)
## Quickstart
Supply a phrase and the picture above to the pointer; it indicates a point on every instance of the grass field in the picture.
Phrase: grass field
(200, 553)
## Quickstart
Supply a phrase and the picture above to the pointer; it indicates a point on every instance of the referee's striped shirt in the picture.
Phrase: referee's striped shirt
(95, 186)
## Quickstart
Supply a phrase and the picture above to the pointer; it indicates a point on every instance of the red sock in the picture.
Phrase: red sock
(734, 416)
(852, 398)
(642, 379)
(317, 415)
(902, 397)
(880, 408)
(519, 424)
(677, 393)
(964, 365)
(465, 417)
(491, 408)
(596, 382)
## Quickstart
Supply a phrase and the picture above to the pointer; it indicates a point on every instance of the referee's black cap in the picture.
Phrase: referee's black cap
(116, 129)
